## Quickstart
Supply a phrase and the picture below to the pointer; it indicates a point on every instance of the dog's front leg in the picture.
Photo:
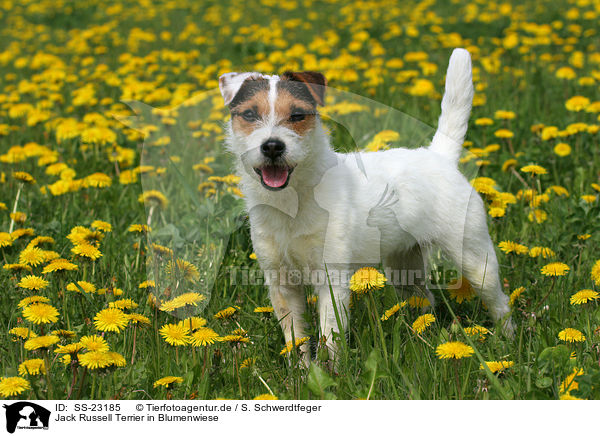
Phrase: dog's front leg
(331, 324)
(289, 304)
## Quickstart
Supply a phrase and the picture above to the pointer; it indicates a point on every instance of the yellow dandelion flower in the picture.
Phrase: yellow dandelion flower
(97, 180)
(235, 339)
(86, 250)
(503, 133)
(584, 296)
(11, 386)
(248, 362)
(498, 366)
(291, 345)
(139, 228)
(565, 73)
(111, 320)
(41, 342)
(265, 397)
(418, 302)
(577, 103)
(538, 216)
(59, 265)
(366, 279)
(422, 322)
(94, 359)
(561, 149)
(87, 287)
(204, 336)
(393, 310)
(226, 313)
(69, 348)
(102, 226)
(24, 177)
(32, 282)
(175, 334)
(484, 121)
(182, 269)
(504, 115)
(22, 332)
(136, 318)
(555, 269)
(513, 247)
(569, 384)
(264, 310)
(534, 169)
(32, 367)
(125, 303)
(40, 313)
(80, 235)
(497, 212)
(31, 300)
(477, 330)
(148, 284)
(595, 273)
(544, 252)
(571, 335)
(94, 343)
(154, 198)
(31, 256)
(67, 334)
(6, 239)
(588, 198)
(203, 168)
(16, 267)
(167, 382)
(464, 292)
(116, 359)
(514, 295)
(18, 217)
(453, 350)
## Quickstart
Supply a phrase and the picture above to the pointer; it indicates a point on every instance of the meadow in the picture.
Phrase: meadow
(125, 249)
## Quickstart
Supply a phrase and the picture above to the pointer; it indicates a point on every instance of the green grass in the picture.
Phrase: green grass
(212, 232)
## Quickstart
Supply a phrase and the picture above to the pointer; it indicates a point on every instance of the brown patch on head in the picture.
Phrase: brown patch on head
(294, 112)
(250, 105)
(315, 83)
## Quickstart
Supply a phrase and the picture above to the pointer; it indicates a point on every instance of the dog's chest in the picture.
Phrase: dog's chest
(288, 243)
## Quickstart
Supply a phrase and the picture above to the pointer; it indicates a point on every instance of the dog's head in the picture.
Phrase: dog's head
(272, 121)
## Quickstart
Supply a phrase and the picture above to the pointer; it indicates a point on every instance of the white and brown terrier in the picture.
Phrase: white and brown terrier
(311, 208)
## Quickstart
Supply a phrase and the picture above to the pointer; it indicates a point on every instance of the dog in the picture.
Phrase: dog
(312, 209)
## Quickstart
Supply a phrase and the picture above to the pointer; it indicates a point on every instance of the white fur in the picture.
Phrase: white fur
(352, 210)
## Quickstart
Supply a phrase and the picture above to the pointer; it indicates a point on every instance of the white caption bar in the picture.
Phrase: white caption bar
(297, 417)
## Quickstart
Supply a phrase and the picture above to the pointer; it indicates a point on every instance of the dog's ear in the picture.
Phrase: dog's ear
(314, 81)
(230, 84)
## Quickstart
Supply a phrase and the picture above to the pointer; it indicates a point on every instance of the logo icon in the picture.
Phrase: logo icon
(26, 415)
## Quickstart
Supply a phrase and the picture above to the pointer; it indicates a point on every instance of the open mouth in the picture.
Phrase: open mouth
(274, 177)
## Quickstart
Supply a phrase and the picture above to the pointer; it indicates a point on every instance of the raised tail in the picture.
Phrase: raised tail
(456, 107)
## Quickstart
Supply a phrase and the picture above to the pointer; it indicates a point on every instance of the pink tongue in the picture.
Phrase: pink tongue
(274, 176)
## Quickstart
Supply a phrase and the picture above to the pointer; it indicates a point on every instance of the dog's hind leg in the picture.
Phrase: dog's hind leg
(408, 272)
(473, 252)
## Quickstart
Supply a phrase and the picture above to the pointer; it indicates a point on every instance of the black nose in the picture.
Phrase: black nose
(272, 148)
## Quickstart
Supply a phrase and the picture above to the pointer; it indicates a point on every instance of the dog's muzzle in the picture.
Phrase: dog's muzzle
(274, 175)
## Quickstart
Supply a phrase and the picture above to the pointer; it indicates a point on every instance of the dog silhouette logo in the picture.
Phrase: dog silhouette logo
(26, 415)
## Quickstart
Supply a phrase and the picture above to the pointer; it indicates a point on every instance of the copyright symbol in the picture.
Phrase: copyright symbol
(139, 407)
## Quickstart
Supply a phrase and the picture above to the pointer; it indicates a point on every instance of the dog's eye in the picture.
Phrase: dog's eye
(249, 115)
(297, 116)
